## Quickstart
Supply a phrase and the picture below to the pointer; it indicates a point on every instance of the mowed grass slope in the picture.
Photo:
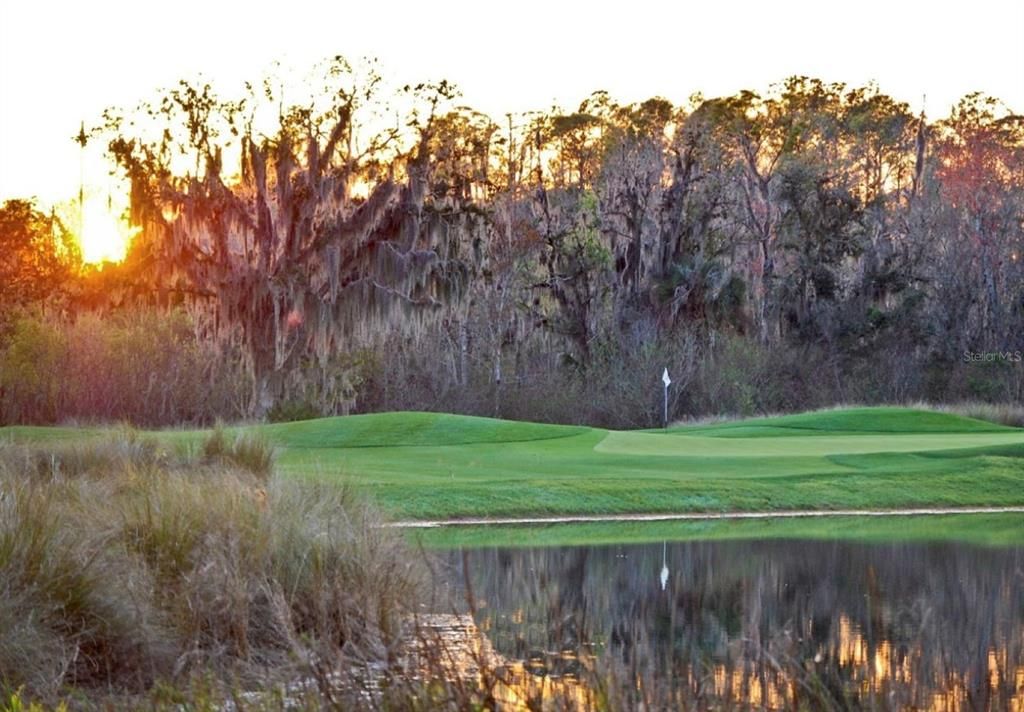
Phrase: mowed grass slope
(410, 429)
(433, 466)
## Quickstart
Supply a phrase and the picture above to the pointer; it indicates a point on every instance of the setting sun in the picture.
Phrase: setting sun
(104, 237)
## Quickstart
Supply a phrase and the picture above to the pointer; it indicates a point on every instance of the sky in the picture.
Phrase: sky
(64, 62)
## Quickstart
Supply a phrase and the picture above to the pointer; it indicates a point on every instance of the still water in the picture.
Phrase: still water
(755, 624)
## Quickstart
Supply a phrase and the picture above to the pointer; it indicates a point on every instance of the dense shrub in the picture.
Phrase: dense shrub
(146, 367)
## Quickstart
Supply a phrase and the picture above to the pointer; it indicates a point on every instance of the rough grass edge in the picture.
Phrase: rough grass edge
(1009, 414)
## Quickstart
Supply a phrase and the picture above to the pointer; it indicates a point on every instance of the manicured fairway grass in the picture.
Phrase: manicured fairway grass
(433, 466)
(979, 529)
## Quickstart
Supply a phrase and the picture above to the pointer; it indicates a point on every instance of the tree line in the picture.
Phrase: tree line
(367, 247)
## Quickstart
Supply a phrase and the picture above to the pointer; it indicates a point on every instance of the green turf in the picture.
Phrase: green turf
(410, 429)
(427, 465)
(979, 529)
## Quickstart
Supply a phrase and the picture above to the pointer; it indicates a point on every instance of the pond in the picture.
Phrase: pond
(754, 623)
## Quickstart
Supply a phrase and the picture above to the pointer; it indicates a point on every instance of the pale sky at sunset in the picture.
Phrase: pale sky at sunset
(64, 62)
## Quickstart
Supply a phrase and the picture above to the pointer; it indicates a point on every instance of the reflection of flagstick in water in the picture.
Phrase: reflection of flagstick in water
(664, 564)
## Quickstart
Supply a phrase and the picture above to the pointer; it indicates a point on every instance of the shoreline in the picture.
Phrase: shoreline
(698, 516)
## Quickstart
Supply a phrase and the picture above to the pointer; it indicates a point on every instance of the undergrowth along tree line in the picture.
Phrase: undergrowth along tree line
(369, 248)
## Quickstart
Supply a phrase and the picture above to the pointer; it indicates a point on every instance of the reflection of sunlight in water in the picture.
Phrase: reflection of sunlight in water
(755, 630)
(514, 684)
(540, 682)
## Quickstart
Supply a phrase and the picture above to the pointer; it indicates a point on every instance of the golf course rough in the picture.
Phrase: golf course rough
(437, 466)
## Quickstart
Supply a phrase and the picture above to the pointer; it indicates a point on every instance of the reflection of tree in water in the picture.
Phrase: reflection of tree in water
(932, 626)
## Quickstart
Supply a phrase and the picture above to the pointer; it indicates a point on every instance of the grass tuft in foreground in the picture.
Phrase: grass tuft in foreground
(248, 451)
(123, 566)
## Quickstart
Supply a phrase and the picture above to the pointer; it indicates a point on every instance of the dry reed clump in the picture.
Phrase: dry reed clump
(1011, 414)
(123, 567)
(245, 451)
(60, 460)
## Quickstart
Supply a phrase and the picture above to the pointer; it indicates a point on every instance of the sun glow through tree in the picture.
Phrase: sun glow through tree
(103, 235)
